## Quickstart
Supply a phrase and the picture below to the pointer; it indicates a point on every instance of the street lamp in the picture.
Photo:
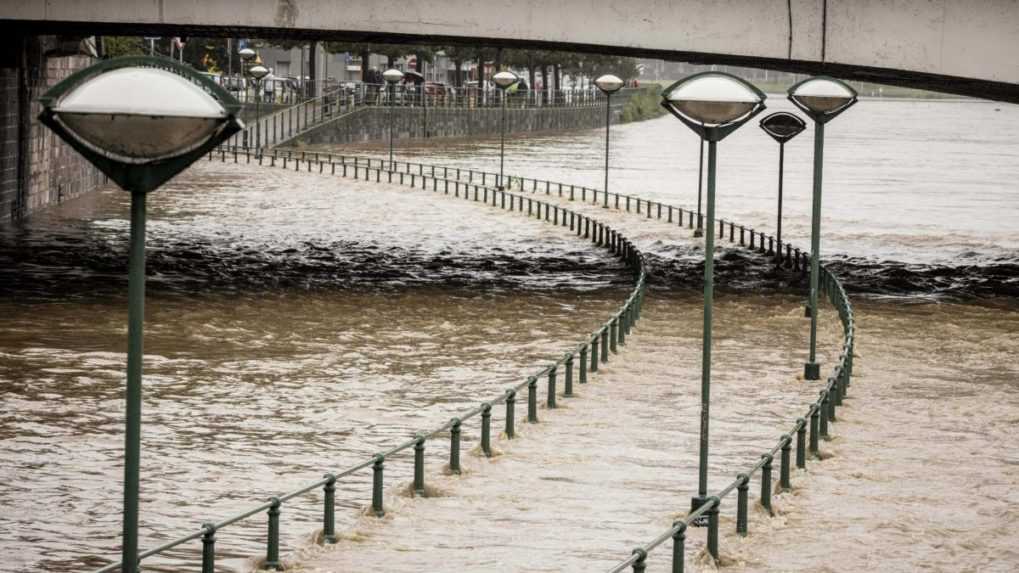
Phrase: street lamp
(257, 72)
(781, 126)
(712, 104)
(391, 76)
(503, 80)
(821, 98)
(608, 84)
(140, 120)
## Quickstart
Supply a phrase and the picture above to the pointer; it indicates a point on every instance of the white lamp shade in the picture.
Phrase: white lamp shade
(822, 95)
(140, 114)
(714, 99)
(392, 75)
(608, 83)
(258, 72)
(246, 53)
(505, 79)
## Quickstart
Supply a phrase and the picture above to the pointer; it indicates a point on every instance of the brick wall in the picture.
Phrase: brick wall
(51, 172)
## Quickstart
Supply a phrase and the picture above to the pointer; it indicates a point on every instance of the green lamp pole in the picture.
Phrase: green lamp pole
(712, 104)
(503, 80)
(781, 126)
(140, 120)
(822, 99)
(247, 55)
(608, 84)
(391, 76)
(257, 73)
(699, 231)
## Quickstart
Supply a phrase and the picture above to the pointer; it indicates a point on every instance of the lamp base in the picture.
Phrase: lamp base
(811, 371)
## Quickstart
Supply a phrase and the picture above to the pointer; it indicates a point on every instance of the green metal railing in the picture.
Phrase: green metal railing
(582, 359)
(285, 124)
(783, 252)
(807, 430)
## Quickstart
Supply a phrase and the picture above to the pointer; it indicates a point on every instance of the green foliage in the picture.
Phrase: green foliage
(645, 104)
(116, 46)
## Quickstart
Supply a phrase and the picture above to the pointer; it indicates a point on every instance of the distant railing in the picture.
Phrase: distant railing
(283, 125)
(820, 413)
(585, 358)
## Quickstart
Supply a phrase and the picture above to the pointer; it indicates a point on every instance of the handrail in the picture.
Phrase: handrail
(819, 413)
(611, 332)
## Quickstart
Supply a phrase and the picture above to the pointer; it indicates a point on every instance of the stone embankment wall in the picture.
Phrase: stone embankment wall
(36, 168)
(372, 123)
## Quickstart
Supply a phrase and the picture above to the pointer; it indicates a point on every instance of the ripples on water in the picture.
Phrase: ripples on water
(920, 197)
(297, 318)
(295, 324)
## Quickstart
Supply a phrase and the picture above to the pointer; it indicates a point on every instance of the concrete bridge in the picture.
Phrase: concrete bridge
(952, 46)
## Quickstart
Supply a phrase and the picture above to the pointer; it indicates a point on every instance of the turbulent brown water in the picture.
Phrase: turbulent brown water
(298, 323)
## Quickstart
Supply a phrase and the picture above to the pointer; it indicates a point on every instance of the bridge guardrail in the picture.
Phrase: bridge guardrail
(584, 358)
(819, 414)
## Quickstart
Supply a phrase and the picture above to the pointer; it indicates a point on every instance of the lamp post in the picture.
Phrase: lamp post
(822, 99)
(608, 84)
(140, 120)
(699, 231)
(246, 54)
(257, 72)
(781, 126)
(503, 80)
(391, 76)
(712, 104)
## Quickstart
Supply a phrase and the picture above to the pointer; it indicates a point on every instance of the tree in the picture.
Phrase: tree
(116, 46)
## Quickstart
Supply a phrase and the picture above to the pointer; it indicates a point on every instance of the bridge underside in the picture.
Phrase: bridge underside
(942, 45)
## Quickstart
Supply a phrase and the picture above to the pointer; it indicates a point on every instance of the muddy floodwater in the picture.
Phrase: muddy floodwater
(298, 323)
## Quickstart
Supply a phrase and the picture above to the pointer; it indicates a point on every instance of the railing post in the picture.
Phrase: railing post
(532, 400)
(551, 388)
(568, 381)
(783, 471)
(624, 324)
(594, 353)
(511, 402)
(209, 548)
(678, 547)
(454, 447)
(329, 510)
(486, 429)
(614, 335)
(583, 365)
(814, 422)
(766, 483)
(272, 549)
(640, 565)
(377, 467)
(742, 489)
(604, 344)
(801, 443)
(713, 527)
(419, 466)
(824, 414)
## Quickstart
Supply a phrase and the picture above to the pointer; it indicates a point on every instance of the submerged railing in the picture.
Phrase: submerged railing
(575, 364)
(808, 430)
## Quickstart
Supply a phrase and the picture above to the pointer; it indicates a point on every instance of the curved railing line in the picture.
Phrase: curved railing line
(819, 413)
(593, 350)
(784, 252)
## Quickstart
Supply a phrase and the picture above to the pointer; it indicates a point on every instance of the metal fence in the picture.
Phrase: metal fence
(807, 430)
(576, 364)
(285, 124)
